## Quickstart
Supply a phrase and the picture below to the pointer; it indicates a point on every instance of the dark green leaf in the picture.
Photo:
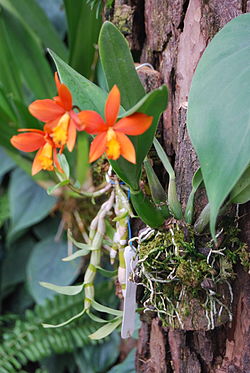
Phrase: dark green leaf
(219, 110)
(34, 67)
(83, 31)
(35, 18)
(118, 65)
(86, 95)
(6, 163)
(19, 252)
(45, 263)
(29, 203)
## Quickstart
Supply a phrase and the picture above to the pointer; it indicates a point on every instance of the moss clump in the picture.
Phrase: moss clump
(180, 279)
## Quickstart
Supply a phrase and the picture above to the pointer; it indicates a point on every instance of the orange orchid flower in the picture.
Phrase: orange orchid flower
(39, 140)
(59, 116)
(111, 134)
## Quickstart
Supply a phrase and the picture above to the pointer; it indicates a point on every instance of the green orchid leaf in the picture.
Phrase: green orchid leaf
(241, 191)
(105, 330)
(53, 188)
(106, 273)
(115, 53)
(82, 158)
(64, 164)
(154, 103)
(196, 182)
(219, 110)
(66, 290)
(83, 31)
(86, 95)
(99, 307)
(173, 201)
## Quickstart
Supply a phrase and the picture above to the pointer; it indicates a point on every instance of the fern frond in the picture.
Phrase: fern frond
(27, 340)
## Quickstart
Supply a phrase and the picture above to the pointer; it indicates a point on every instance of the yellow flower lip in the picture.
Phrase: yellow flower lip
(45, 157)
(112, 146)
(60, 132)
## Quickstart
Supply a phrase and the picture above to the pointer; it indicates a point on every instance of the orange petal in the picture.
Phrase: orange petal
(134, 124)
(71, 136)
(46, 110)
(112, 106)
(97, 147)
(28, 142)
(30, 130)
(36, 166)
(92, 122)
(57, 81)
(65, 97)
(126, 147)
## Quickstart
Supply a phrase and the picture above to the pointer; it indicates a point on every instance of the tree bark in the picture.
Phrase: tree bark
(172, 36)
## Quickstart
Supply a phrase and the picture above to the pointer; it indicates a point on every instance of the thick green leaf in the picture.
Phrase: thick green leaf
(105, 330)
(173, 201)
(86, 95)
(219, 110)
(154, 103)
(82, 160)
(30, 13)
(29, 203)
(196, 182)
(45, 264)
(34, 66)
(241, 191)
(66, 290)
(83, 31)
(118, 65)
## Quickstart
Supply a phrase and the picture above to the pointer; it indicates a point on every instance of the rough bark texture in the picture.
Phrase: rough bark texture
(172, 35)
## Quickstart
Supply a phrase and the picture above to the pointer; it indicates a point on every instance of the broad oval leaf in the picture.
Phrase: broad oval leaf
(118, 65)
(29, 203)
(86, 95)
(241, 191)
(45, 263)
(219, 111)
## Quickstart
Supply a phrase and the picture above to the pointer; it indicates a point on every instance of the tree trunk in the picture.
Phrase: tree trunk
(172, 35)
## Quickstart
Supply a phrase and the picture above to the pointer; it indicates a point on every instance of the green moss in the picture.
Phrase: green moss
(175, 273)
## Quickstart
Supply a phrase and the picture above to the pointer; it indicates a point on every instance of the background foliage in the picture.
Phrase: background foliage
(32, 223)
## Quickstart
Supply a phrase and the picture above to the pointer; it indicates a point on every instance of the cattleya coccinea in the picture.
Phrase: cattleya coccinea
(59, 116)
(111, 134)
(39, 140)
(61, 123)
